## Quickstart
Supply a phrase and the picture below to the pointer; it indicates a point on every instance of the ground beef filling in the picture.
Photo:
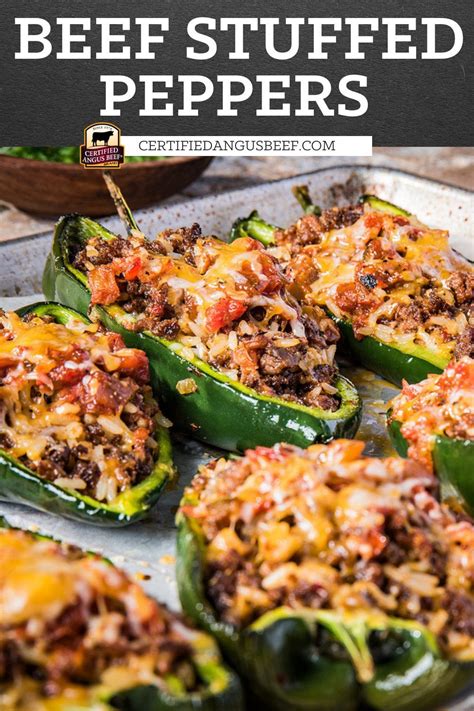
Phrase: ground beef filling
(62, 461)
(327, 528)
(310, 228)
(108, 623)
(240, 339)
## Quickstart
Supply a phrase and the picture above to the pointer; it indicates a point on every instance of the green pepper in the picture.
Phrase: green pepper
(253, 226)
(21, 485)
(453, 464)
(219, 411)
(320, 660)
(395, 362)
(220, 688)
(301, 193)
(379, 205)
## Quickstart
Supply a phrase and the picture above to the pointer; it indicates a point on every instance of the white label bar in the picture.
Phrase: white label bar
(247, 145)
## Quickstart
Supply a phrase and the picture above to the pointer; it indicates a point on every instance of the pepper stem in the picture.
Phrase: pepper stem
(120, 203)
(254, 226)
(301, 193)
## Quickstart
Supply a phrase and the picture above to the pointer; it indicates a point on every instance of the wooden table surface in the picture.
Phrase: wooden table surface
(451, 165)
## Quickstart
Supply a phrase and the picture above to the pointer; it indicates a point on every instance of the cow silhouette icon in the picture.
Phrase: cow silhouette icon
(101, 136)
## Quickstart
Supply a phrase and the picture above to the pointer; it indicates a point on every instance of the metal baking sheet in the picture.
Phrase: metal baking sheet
(147, 549)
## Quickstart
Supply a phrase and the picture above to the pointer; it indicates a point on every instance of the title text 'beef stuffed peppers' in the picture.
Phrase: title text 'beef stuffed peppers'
(433, 422)
(80, 432)
(401, 296)
(234, 358)
(330, 579)
(76, 633)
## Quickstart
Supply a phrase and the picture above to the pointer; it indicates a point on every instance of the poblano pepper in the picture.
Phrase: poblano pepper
(20, 484)
(395, 361)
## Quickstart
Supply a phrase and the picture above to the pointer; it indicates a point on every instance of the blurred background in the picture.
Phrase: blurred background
(172, 180)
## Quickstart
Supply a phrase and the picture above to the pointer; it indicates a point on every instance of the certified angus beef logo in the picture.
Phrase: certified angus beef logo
(101, 147)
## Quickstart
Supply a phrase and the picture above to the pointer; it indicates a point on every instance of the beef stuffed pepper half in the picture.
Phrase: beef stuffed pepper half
(331, 579)
(433, 422)
(222, 332)
(81, 434)
(403, 298)
(76, 633)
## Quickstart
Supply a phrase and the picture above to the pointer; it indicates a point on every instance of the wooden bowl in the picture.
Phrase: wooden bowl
(47, 188)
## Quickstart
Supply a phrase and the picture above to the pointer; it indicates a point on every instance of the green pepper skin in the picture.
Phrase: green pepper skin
(383, 205)
(453, 464)
(21, 485)
(279, 658)
(253, 226)
(388, 361)
(222, 690)
(221, 412)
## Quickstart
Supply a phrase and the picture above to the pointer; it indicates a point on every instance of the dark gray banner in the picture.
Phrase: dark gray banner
(399, 100)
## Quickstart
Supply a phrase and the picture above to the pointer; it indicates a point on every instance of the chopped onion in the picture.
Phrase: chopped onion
(186, 386)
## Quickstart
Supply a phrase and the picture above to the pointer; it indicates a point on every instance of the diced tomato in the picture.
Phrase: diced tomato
(458, 374)
(128, 266)
(134, 362)
(244, 360)
(224, 312)
(274, 279)
(61, 354)
(301, 273)
(377, 542)
(115, 341)
(374, 220)
(262, 275)
(400, 220)
(261, 506)
(103, 286)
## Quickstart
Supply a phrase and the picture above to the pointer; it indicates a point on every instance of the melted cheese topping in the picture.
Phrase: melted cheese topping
(34, 580)
(240, 271)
